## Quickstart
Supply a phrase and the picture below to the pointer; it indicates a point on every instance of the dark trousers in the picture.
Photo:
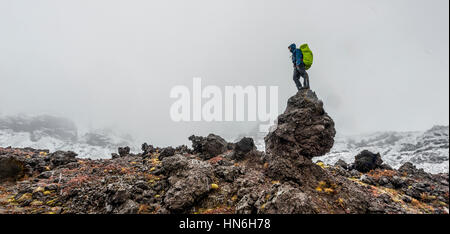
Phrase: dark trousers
(299, 71)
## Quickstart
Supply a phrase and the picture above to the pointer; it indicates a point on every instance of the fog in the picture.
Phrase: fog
(378, 65)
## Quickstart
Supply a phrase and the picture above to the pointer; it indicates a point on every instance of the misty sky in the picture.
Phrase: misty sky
(378, 64)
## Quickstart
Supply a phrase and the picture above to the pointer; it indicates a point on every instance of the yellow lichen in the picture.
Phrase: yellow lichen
(38, 189)
(36, 203)
(328, 190)
(341, 202)
(51, 202)
(47, 192)
(321, 164)
(11, 199)
(24, 197)
(326, 187)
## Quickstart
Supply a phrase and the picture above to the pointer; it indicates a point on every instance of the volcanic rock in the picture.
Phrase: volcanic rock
(366, 161)
(304, 129)
(190, 180)
(243, 147)
(341, 163)
(59, 158)
(124, 151)
(11, 168)
(208, 147)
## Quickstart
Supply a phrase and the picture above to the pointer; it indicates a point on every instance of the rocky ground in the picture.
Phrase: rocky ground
(215, 176)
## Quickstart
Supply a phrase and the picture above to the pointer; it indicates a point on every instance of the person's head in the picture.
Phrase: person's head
(292, 47)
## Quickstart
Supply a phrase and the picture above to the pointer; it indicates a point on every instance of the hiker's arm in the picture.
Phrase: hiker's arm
(298, 57)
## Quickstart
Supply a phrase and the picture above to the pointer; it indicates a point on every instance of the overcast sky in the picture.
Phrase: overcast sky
(379, 64)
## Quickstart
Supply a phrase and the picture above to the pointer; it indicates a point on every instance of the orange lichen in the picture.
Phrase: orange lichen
(377, 174)
(215, 159)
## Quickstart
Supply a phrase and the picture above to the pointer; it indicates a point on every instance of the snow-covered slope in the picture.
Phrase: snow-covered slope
(428, 150)
(54, 133)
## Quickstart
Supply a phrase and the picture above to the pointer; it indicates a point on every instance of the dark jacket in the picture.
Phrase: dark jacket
(297, 56)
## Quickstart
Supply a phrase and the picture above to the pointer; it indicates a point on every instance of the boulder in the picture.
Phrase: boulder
(341, 163)
(189, 180)
(166, 152)
(11, 168)
(302, 132)
(366, 161)
(208, 147)
(124, 151)
(243, 147)
(147, 149)
(304, 129)
(410, 169)
(386, 166)
(286, 199)
(60, 158)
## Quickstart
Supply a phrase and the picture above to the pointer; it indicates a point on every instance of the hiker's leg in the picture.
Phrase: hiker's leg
(297, 79)
(306, 81)
(305, 76)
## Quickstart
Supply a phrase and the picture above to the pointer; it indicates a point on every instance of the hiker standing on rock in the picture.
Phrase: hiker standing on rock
(302, 60)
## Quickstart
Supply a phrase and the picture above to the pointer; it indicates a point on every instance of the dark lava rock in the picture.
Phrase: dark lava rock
(287, 199)
(166, 152)
(174, 163)
(341, 163)
(60, 158)
(386, 167)
(124, 151)
(208, 147)
(367, 179)
(300, 170)
(243, 147)
(182, 149)
(410, 169)
(45, 175)
(228, 173)
(147, 149)
(366, 161)
(11, 168)
(304, 129)
(114, 156)
(120, 197)
(190, 180)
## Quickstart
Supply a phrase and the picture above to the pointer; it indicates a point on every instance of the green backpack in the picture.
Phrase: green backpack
(307, 56)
